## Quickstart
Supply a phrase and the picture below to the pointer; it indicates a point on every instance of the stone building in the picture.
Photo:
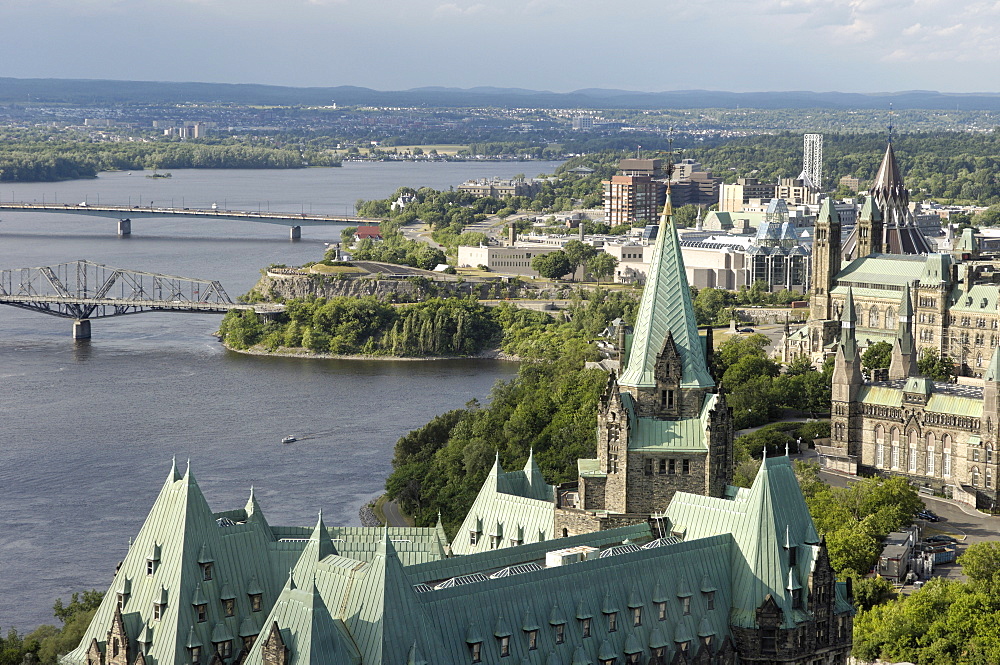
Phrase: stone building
(662, 427)
(938, 435)
(720, 581)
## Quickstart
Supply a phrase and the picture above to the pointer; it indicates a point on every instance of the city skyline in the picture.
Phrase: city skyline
(843, 45)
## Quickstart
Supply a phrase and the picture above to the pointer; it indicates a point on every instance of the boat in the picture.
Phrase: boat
(291, 438)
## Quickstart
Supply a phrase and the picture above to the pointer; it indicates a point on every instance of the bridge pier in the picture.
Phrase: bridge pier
(124, 227)
(81, 329)
(295, 233)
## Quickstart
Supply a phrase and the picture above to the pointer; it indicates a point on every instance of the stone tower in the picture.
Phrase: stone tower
(846, 383)
(662, 426)
(870, 229)
(826, 266)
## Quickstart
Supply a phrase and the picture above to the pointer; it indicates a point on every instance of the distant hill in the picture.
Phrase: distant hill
(103, 92)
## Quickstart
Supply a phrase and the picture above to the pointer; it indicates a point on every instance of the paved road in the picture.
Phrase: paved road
(392, 515)
(420, 234)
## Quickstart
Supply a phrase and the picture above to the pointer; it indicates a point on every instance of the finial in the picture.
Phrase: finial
(670, 155)
(764, 452)
(890, 122)
(786, 450)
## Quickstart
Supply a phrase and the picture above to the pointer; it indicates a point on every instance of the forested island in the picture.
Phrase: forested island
(30, 157)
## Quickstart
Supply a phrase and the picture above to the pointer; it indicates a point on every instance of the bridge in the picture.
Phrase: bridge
(125, 215)
(84, 290)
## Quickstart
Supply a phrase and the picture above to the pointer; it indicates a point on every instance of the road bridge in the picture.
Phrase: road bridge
(84, 290)
(125, 215)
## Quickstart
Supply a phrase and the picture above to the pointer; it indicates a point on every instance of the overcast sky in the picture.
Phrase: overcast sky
(557, 45)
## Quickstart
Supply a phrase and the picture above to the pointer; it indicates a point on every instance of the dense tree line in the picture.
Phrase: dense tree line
(551, 407)
(47, 643)
(757, 388)
(44, 161)
(368, 326)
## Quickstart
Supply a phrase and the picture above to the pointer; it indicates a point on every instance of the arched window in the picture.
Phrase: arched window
(979, 360)
(894, 448)
(989, 479)
(911, 452)
(989, 453)
(931, 453)
(873, 317)
(890, 317)
(879, 446)
(975, 476)
(946, 456)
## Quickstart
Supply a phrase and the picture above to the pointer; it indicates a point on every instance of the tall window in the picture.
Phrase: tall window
(911, 464)
(931, 446)
(879, 446)
(890, 318)
(894, 445)
(975, 476)
(873, 317)
(946, 456)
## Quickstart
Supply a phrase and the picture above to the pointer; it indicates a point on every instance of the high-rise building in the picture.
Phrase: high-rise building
(637, 194)
(812, 159)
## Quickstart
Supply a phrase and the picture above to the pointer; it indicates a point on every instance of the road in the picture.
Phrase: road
(392, 515)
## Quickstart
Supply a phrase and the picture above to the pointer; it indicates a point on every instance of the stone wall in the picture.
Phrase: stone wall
(651, 493)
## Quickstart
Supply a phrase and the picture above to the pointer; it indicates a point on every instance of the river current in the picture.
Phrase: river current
(88, 429)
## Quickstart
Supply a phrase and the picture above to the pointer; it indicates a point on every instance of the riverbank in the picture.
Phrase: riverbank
(301, 352)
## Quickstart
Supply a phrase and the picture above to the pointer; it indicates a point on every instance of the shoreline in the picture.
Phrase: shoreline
(258, 350)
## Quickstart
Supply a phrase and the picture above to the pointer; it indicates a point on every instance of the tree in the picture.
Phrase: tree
(578, 254)
(877, 356)
(552, 265)
(934, 366)
(602, 265)
(981, 563)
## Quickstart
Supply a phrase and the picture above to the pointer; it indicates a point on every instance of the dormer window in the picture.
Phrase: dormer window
(632, 658)
(636, 616)
(710, 599)
(255, 602)
(686, 605)
(473, 537)
(157, 611)
(201, 611)
(796, 598)
(121, 601)
(661, 611)
(532, 640)
(206, 571)
(793, 553)
(476, 651)
(560, 633)
(504, 645)
(195, 655)
(150, 566)
(229, 606)
(225, 648)
(612, 622)
(585, 625)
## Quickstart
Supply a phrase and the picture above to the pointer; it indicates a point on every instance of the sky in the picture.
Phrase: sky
(557, 45)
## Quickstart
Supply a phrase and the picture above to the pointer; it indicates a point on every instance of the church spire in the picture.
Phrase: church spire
(847, 376)
(666, 310)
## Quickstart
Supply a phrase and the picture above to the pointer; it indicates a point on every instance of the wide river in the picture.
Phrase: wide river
(88, 429)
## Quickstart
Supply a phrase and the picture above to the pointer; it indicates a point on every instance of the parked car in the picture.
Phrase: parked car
(941, 538)
(746, 330)
(928, 515)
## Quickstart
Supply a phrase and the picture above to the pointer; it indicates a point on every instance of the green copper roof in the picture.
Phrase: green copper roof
(666, 309)
(993, 371)
(512, 506)
(759, 521)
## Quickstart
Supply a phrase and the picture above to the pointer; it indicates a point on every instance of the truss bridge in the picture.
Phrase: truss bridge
(84, 290)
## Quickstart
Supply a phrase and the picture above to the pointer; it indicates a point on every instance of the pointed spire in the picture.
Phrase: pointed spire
(993, 371)
(666, 309)
(173, 476)
(847, 321)
(290, 583)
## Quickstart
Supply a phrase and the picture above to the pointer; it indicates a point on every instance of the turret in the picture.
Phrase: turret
(991, 388)
(870, 229)
(904, 352)
(826, 261)
(847, 367)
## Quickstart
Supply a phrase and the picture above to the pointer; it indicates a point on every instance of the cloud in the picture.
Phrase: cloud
(452, 9)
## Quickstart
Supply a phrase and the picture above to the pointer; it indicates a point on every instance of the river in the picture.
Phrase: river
(89, 428)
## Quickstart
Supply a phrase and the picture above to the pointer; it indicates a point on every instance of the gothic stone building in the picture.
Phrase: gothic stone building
(938, 435)
(739, 579)
(662, 426)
